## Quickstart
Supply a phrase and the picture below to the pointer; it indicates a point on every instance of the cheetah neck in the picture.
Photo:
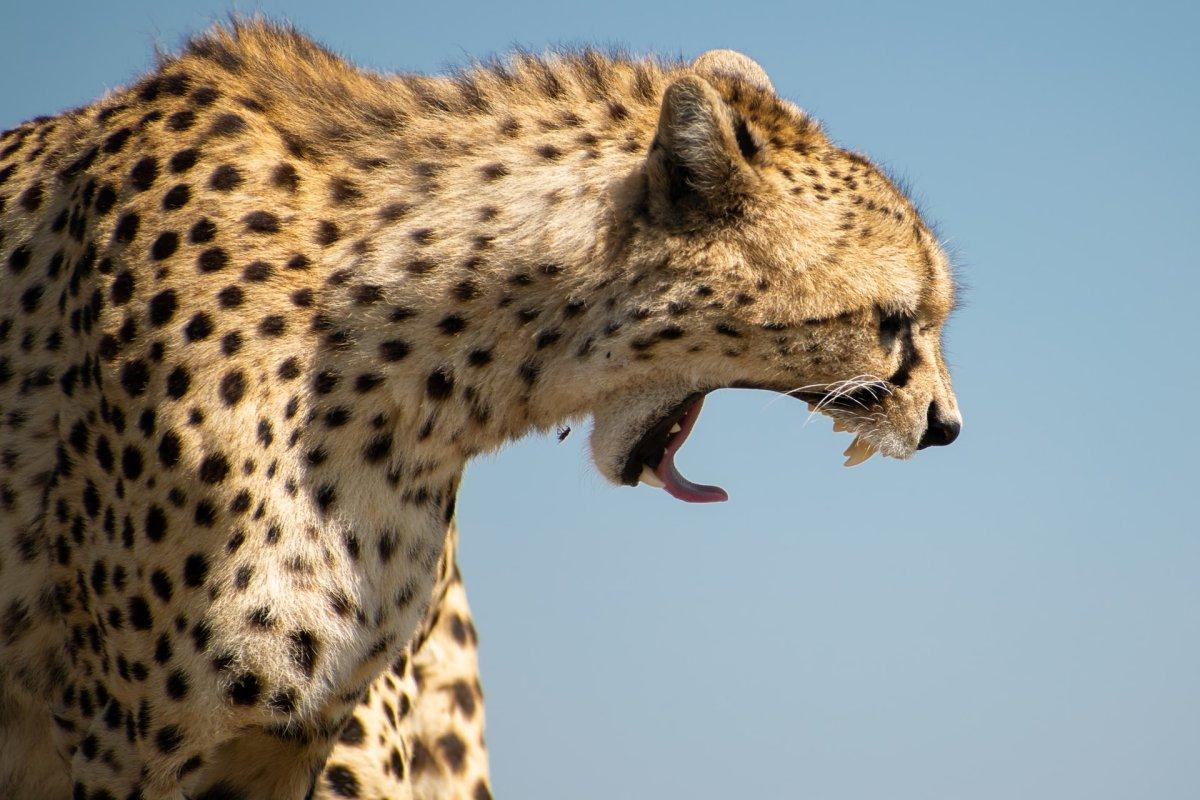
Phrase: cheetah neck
(481, 298)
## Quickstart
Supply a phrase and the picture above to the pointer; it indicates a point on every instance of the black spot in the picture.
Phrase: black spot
(452, 324)
(134, 377)
(198, 327)
(176, 197)
(227, 124)
(341, 781)
(177, 685)
(231, 343)
(366, 294)
(393, 350)
(225, 178)
(203, 231)
(156, 524)
(122, 287)
(337, 417)
(454, 751)
(106, 198)
(286, 177)
(378, 449)
(393, 212)
(233, 387)
(727, 330)
(142, 176)
(19, 258)
(206, 514)
(164, 246)
(195, 570)
(367, 382)
(168, 739)
(325, 496)
(205, 96)
(327, 233)
(212, 260)
(479, 358)
(352, 733)
(181, 120)
(161, 583)
(671, 332)
(150, 89)
(162, 307)
(231, 296)
(494, 171)
(131, 462)
(116, 140)
(272, 325)
(139, 613)
(439, 385)
(169, 449)
(289, 369)
(183, 161)
(304, 651)
(261, 222)
(31, 298)
(127, 227)
(214, 468)
(178, 382)
(344, 191)
(31, 198)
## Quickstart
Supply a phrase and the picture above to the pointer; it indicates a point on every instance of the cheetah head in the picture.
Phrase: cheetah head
(777, 261)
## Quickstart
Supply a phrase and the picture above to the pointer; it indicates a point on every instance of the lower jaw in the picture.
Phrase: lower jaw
(649, 449)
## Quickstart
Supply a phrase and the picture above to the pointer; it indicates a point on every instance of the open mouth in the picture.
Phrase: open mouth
(652, 458)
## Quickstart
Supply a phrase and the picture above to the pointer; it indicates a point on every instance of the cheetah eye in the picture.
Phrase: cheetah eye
(890, 326)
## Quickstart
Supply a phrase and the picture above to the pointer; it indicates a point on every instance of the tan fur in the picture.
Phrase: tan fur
(261, 308)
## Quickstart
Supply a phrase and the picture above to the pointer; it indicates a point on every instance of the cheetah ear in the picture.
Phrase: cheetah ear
(697, 167)
(734, 64)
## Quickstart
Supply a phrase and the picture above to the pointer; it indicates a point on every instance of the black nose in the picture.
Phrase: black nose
(940, 430)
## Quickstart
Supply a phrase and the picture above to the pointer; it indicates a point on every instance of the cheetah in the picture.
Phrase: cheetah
(259, 310)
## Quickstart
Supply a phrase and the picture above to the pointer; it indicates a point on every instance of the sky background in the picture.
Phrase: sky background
(1016, 616)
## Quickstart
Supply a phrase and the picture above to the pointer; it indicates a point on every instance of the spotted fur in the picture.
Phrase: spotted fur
(260, 308)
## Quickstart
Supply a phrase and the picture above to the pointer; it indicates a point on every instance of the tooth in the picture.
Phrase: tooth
(858, 452)
(676, 428)
(812, 407)
(650, 478)
(839, 426)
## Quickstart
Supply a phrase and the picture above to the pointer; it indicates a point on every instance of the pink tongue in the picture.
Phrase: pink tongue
(676, 485)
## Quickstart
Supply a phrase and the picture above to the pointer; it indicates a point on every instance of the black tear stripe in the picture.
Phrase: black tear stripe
(909, 357)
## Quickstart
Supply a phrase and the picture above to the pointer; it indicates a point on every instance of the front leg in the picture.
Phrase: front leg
(418, 732)
(229, 670)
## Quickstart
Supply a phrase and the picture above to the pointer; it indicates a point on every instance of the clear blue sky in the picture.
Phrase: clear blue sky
(1016, 616)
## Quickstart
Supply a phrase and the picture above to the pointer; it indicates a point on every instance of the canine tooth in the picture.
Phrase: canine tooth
(839, 426)
(650, 478)
(676, 428)
(858, 452)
